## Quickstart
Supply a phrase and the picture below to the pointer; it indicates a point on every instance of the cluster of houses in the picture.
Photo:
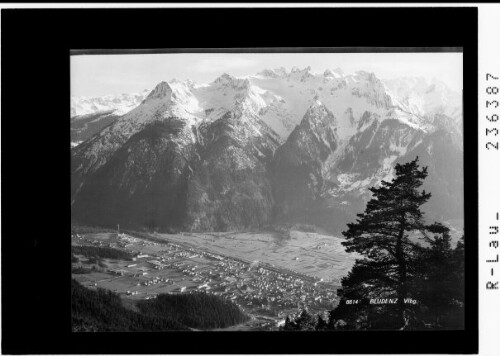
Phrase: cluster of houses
(250, 286)
(156, 280)
(157, 264)
(257, 287)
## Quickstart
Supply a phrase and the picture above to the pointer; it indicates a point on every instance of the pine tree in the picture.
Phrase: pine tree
(306, 321)
(382, 236)
(290, 324)
(321, 323)
(439, 286)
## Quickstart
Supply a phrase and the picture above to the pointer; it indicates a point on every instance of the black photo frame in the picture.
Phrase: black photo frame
(36, 45)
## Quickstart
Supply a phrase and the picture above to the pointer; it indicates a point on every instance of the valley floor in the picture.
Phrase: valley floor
(312, 254)
(267, 275)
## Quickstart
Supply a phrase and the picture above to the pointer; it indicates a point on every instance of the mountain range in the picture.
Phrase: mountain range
(269, 149)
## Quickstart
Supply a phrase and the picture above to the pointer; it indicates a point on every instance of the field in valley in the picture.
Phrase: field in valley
(268, 275)
(309, 253)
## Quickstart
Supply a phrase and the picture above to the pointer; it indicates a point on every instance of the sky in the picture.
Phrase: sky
(98, 75)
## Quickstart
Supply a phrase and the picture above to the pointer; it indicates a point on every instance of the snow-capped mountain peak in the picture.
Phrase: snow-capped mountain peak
(316, 107)
(298, 70)
(421, 98)
(161, 91)
(116, 104)
(368, 76)
(318, 115)
(281, 98)
(226, 80)
(336, 74)
(270, 73)
(338, 135)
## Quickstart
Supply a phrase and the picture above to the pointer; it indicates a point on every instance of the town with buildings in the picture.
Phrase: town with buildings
(158, 265)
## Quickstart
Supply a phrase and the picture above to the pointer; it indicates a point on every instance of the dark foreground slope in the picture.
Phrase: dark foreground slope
(102, 310)
(197, 310)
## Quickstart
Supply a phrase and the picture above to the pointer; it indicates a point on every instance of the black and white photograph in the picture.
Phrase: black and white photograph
(267, 190)
(219, 178)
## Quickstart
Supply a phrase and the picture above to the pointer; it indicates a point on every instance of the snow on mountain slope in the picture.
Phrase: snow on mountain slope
(423, 98)
(281, 98)
(413, 101)
(347, 97)
(293, 145)
(166, 164)
(228, 93)
(85, 126)
(116, 104)
(229, 187)
(166, 103)
(297, 164)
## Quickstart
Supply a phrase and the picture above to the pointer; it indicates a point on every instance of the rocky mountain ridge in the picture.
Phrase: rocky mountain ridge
(276, 147)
